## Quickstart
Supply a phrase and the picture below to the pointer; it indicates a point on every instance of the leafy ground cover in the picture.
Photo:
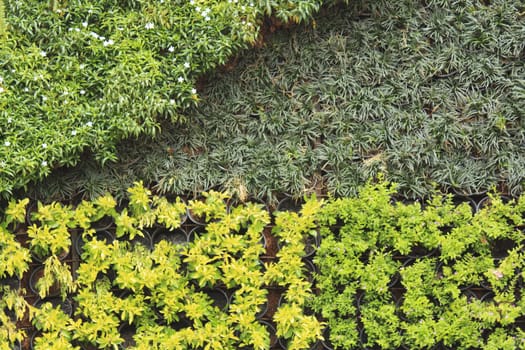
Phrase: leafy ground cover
(421, 275)
(428, 92)
(79, 76)
(446, 273)
(100, 276)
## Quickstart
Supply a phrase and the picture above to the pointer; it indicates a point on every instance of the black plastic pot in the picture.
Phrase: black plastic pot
(176, 237)
(418, 252)
(289, 204)
(103, 224)
(457, 200)
(311, 243)
(309, 270)
(500, 248)
(35, 276)
(144, 240)
(195, 233)
(486, 201)
(127, 332)
(16, 346)
(263, 310)
(194, 218)
(32, 339)
(62, 256)
(315, 346)
(65, 305)
(105, 235)
(272, 331)
(219, 298)
(12, 282)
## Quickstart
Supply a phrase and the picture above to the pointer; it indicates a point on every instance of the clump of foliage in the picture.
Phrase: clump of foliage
(141, 296)
(423, 91)
(421, 275)
(80, 76)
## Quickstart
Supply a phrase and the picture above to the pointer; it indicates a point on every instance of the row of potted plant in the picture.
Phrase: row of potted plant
(123, 294)
(390, 274)
(461, 288)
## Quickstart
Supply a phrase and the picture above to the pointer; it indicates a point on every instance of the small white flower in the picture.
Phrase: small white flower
(82, 92)
(251, 4)
(65, 93)
(26, 89)
(44, 163)
(43, 53)
(192, 2)
(9, 120)
(44, 145)
(77, 29)
(194, 91)
(69, 29)
(186, 65)
(74, 132)
(90, 11)
(172, 101)
(243, 22)
(243, 8)
(149, 25)
(2, 164)
(1, 89)
(84, 24)
(198, 9)
(89, 124)
(249, 24)
(13, 70)
(44, 98)
(207, 18)
(1, 80)
(120, 28)
(171, 49)
(82, 66)
(180, 79)
(94, 35)
(108, 42)
(102, 38)
(7, 143)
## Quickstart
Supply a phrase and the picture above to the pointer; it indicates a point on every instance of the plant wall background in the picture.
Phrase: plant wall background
(424, 91)
(79, 76)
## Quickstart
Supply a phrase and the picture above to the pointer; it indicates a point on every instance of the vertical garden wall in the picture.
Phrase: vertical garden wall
(367, 272)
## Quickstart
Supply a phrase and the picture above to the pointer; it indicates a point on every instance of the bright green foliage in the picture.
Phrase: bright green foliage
(159, 292)
(417, 272)
(82, 75)
(423, 91)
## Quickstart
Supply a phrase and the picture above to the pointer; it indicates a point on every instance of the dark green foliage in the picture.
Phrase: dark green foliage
(424, 91)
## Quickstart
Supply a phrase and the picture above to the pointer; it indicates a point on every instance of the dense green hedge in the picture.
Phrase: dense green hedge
(425, 91)
(79, 76)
